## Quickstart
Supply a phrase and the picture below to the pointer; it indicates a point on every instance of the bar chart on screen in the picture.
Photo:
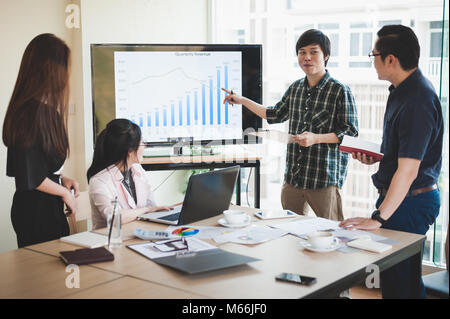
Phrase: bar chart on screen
(178, 94)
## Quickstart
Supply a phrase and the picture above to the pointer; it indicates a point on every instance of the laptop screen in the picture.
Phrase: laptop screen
(208, 194)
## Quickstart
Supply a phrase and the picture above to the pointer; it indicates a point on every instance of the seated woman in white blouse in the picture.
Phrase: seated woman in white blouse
(116, 171)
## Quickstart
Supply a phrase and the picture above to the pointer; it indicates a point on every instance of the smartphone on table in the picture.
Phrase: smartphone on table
(296, 278)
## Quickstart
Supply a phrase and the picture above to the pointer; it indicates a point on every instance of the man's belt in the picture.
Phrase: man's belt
(414, 192)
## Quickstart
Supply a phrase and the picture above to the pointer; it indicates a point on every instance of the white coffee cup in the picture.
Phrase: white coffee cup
(235, 217)
(267, 213)
(321, 239)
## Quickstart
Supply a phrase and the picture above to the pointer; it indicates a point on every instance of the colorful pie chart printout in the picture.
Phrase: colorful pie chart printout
(185, 231)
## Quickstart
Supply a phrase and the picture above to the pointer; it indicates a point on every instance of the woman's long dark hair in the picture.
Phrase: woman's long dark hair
(113, 144)
(38, 109)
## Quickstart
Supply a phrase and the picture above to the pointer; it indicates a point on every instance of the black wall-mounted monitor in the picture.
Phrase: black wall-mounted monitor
(173, 91)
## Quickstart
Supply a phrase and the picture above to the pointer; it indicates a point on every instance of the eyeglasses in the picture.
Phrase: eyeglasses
(372, 56)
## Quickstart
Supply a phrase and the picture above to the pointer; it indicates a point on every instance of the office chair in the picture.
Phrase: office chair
(436, 284)
(80, 222)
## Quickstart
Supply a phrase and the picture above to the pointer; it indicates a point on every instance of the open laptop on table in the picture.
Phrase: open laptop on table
(207, 195)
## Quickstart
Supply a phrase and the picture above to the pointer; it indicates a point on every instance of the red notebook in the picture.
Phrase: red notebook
(353, 144)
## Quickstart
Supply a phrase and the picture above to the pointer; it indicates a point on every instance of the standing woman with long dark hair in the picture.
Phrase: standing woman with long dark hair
(35, 132)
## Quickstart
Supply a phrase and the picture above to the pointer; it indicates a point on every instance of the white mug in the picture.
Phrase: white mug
(235, 217)
(321, 239)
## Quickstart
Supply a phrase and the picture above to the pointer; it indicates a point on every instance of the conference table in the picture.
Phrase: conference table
(37, 272)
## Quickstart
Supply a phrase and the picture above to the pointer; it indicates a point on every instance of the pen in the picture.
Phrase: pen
(186, 243)
(229, 94)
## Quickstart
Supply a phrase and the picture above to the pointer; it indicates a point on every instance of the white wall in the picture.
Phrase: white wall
(102, 21)
(139, 21)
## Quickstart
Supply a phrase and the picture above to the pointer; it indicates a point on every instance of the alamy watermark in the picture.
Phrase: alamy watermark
(73, 19)
(373, 279)
(73, 280)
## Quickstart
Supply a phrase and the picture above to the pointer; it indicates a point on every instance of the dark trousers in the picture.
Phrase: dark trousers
(414, 215)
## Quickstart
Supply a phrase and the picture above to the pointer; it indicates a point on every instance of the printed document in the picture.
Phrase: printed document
(151, 251)
(251, 235)
(302, 227)
(274, 135)
(204, 232)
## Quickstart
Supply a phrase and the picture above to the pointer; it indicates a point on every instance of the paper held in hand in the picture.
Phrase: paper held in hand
(353, 144)
(274, 135)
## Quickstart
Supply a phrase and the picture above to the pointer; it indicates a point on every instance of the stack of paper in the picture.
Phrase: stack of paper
(308, 225)
(251, 235)
(86, 239)
(355, 145)
(274, 214)
(370, 245)
(302, 227)
(274, 135)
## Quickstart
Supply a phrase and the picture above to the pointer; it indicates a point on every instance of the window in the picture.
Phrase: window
(366, 42)
(288, 4)
(241, 36)
(435, 39)
(328, 26)
(388, 22)
(354, 44)
(334, 39)
(435, 49)
(361, 38)
(332, 31)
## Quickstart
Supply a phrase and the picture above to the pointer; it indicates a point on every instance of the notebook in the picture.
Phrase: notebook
(353, 144)
(86, 256)
(207, 195)
(370, 245)
(86, 239)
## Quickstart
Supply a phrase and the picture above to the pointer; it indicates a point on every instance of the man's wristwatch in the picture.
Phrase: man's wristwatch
(376, 216)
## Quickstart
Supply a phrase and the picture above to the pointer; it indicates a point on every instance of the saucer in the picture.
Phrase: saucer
(332, 247)
(224, 222)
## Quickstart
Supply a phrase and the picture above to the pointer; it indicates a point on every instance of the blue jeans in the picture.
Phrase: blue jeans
(414, 215)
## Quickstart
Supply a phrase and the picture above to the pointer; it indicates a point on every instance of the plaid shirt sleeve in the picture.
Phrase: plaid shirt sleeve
(280, 112)
(347, 118)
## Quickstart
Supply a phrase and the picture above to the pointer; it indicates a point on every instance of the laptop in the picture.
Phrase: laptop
(207, 195)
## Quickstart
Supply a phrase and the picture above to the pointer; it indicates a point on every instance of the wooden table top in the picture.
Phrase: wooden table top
(255, 280)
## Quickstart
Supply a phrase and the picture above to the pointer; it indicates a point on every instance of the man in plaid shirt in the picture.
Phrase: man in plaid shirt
(321, 111)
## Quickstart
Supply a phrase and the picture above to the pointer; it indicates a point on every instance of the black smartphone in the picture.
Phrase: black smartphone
(295, 278)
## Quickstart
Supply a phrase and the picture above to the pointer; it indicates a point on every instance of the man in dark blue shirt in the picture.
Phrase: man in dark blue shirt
(412, 146)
